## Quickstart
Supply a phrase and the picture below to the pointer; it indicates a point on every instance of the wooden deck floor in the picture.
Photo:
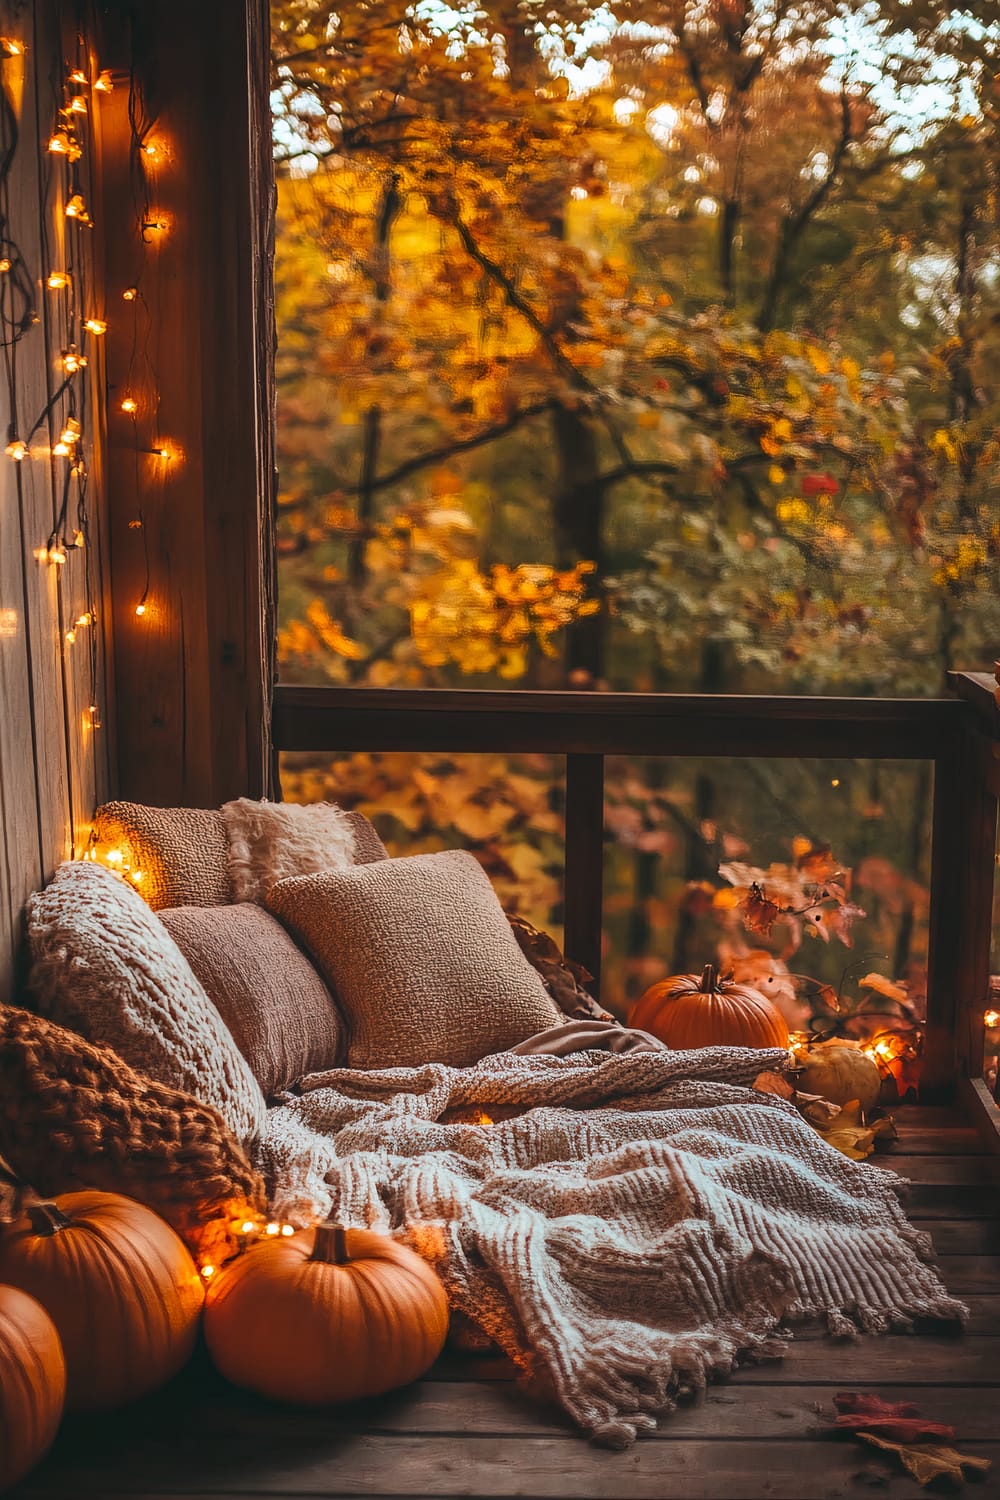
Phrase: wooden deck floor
(467, 1430)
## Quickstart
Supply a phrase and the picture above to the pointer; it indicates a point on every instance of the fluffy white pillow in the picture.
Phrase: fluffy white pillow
(104, 965)
(269, 841)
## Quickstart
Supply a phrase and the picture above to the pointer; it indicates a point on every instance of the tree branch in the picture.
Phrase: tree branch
(795, 226)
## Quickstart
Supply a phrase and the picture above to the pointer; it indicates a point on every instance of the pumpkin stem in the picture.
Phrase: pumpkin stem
(709, 980)
(47, 1218)
(330, 1245)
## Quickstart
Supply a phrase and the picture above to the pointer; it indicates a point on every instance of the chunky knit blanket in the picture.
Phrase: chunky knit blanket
(646, 1222)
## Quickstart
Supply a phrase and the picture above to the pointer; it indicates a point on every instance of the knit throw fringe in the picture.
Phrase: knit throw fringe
(645, 1225)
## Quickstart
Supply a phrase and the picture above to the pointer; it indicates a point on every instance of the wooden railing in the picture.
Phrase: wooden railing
(960, 735)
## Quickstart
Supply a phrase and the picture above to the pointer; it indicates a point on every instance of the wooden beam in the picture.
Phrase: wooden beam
(194, 672)
(322, 718)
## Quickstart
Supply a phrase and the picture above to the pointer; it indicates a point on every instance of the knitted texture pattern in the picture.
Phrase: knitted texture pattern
(73, 1115)
(269, 841)
(104, 965)
(420, 957)
(180, 851)
(650, 1218)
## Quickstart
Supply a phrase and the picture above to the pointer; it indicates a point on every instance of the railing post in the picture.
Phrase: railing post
(961, 914)
(584, 879)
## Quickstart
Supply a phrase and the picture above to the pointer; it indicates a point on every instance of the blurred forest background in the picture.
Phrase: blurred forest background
(649, 345)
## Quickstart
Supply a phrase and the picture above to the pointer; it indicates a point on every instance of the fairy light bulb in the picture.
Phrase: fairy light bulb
(247, 1227)
(6, 264)
(114, 857)
(105, 83)
(208, 1272)
(94, 714)
(10, 47)
(76, 208)
(87, 618)
(129, 405)
(61, 143)
(96, 326)
(73, 360)
(56, 281)
(56, 554)
(62, 450)
(130, 293)
(77, 105)
(71, 432)
(140, 610)
(17, 449)
(70, 636)
(272, 1229)
(78, 76)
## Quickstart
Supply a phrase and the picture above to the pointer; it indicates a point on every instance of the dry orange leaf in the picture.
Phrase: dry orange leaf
(931, 1463)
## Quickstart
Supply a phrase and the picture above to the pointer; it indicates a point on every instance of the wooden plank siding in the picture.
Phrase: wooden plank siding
(54, 765)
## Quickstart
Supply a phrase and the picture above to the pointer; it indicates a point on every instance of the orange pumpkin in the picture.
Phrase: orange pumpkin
(32, 1383)
(687, 1011)
(118, 1284)
(325, 1315)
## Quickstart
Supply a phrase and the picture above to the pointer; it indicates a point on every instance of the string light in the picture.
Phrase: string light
(61, 143)
(70, 636)
(129, 404)
(73, 360)
(272, 1229)
(6, 264)
(208, 1272)
(76, 208)
(140, 609)
(992, 1018)
(105, 83)
(77, 105)
(56, 281)
(9, 47)
(78, 76)
(94, 713)
(130, 293)
(17, 449)
(71, 432)
(62, 450)
(96, 326)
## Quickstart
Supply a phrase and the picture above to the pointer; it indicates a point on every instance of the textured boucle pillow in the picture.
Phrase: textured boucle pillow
(278, 1009)
(180, 852)
(269, 841)
(420, 957)
(80, 1117)
(104, 965)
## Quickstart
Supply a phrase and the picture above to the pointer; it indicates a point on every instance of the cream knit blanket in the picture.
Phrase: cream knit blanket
(646, 1222)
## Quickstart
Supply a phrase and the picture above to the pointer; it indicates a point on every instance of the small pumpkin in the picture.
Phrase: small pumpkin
(688, 1011)
(32, 1383)
(325, 1315)
(840, 1071)
(118, 1284)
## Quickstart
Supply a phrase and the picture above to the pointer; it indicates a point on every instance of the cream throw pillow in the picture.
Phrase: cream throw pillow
(104, 965)
(420, 957)
(271, 840)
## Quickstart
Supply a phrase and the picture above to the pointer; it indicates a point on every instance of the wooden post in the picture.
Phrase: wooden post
(584, 884)
(194, 671)
(961, 905)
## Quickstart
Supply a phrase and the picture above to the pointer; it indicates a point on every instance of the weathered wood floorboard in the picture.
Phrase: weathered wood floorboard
(469, 1429)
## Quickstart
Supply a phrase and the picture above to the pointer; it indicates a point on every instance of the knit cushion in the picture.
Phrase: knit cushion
(368, 847)
(271, 840)
(104, 965)
(178, 852)
(281, 1014)
(77, 1116)
(420, 956)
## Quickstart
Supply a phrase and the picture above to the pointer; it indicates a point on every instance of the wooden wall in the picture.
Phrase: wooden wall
(55, 754)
